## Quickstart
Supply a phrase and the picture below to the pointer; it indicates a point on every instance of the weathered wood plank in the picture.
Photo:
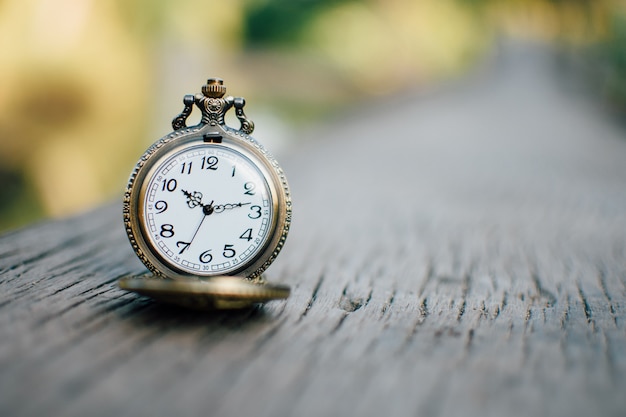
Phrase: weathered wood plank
(459, 252)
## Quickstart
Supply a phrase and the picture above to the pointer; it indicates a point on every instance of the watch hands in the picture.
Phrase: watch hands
(206, 210)
(194, 199)
(221, 207)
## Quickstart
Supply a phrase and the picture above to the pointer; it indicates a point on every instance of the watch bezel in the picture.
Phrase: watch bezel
(189, 137)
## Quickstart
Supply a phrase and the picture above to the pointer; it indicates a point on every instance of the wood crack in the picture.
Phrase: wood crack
(546, 296)
(350, 304)
(586, 308)
(423, 313)
(465, 286)
(564, 319)
(388, 303)
(605, 291)
(340, 322)
(313, 298)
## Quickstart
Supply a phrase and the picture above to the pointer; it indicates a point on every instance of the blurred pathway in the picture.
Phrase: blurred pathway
(512, 137)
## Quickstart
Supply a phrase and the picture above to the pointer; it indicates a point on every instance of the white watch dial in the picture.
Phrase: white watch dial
(207, 210)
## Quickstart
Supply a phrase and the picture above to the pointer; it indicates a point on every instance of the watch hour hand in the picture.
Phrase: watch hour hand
(194, 199)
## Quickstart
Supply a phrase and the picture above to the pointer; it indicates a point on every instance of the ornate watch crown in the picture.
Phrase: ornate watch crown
(214, 88)
(213, 106)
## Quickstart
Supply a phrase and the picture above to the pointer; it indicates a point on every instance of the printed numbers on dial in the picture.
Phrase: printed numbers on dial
(207, 209)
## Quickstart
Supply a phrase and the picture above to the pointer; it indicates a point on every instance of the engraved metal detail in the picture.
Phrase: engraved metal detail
(214, 107)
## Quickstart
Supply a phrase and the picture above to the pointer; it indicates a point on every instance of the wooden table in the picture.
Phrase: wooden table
(455, 252)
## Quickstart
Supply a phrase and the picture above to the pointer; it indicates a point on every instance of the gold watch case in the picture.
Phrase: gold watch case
(211, 130)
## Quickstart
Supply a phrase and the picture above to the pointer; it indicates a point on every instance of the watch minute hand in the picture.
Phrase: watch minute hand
(229, 206)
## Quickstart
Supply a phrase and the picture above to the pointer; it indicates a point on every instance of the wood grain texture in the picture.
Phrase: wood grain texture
(460, 252)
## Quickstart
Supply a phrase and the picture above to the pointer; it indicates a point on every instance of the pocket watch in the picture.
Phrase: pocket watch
(207, 209)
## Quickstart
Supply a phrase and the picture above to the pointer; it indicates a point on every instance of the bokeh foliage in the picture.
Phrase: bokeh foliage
(282, 22)
(83, 83)
(612, 55)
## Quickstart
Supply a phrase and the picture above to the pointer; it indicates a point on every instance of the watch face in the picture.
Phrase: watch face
(206, 209)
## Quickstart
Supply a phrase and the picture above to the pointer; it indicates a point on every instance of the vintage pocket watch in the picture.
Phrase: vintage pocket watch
(207, 209)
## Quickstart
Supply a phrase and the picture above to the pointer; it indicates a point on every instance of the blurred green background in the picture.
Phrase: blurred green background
(86, 85)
